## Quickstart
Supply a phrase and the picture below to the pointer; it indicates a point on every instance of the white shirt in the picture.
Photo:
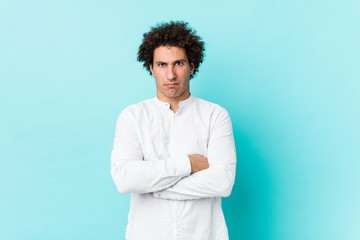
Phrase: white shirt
(150, 160)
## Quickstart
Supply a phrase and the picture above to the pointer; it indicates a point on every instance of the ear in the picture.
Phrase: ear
(151, 69)
(192, 68)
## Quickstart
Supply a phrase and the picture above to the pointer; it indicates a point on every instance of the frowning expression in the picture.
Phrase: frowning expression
(171, 70)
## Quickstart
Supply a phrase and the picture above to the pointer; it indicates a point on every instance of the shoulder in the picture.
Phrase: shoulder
(218, 116)
(139, 112)
(132, 113)
(210, 107)
(137, 108)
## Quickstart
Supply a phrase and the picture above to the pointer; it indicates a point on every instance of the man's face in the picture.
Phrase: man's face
(171, 70)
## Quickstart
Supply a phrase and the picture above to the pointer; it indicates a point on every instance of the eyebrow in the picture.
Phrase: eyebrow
(179, 60)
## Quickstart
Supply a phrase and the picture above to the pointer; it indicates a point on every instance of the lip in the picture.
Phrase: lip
(171, 84)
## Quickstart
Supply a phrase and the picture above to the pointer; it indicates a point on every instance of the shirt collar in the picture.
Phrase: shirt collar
(182, 104)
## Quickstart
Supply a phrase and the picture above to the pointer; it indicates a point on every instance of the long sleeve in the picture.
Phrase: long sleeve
(131, 173)
(218, 179)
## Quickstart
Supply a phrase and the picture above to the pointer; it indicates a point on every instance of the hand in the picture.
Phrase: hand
(198, 162)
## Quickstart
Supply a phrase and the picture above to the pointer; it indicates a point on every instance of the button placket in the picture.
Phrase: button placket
(170, 135)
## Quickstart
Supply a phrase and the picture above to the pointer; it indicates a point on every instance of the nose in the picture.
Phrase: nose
(171, 74)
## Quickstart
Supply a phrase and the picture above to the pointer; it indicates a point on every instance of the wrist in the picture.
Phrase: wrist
(191, 164)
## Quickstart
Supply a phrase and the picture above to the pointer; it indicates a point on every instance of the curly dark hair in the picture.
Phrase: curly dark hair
(176, 34)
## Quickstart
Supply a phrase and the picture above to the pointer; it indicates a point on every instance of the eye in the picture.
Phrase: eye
(179, 63)
(161, 64)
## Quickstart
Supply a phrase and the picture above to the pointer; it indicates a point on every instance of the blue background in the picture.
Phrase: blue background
(287, 71)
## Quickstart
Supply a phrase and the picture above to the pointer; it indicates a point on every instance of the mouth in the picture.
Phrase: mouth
(171, 84)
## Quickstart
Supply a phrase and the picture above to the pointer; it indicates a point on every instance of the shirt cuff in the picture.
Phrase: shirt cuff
(182, 164)
(173, 196)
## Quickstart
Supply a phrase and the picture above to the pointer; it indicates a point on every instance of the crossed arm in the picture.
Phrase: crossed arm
(181, 177)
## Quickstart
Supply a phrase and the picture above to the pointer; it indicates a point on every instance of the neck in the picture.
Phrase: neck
(174, 102)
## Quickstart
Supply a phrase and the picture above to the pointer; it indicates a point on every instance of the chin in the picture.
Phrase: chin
(174, 94)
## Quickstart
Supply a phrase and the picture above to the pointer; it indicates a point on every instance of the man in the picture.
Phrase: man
(174, 153)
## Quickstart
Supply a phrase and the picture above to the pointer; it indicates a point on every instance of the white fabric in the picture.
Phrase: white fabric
(150, 161)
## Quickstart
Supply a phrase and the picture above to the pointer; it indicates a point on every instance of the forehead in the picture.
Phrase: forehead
(169, 54)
